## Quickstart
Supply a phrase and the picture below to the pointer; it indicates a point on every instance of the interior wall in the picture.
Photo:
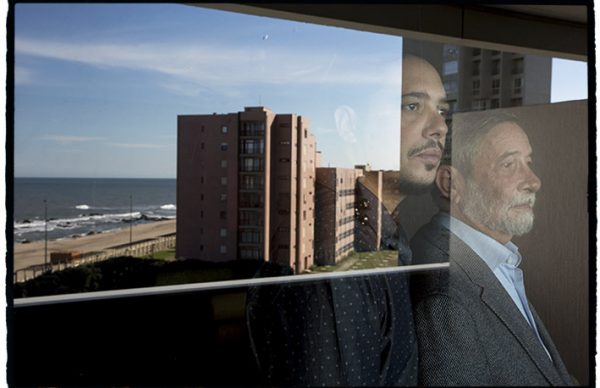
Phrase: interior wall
(556, 252)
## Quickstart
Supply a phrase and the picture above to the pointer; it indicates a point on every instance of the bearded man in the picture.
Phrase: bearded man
(473, 322)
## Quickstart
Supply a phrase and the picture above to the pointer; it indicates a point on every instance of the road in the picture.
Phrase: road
(33, 253)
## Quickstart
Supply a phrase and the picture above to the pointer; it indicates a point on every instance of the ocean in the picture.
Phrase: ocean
(82, 206)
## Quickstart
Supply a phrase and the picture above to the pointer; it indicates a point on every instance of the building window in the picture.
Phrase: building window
(476, 52)
(223, 232)
(476, 68)
(478, 105)
(284, 142)
(202, 179)
(495, 86)
(517, 65)
(517, 85)
(224, 129)
(252, 182)
(202, 145)
(251, 200)
(451, 86)
(224, 146)
(495, 103)
(223, 164)
(253, 146)
(251, 218)
(284, 160)
(450, 67)
(476, 85)
(250, 253)
(495, 67)
(495, 52)
(223, 197)
(223, 249)
(251, 237)
(223, 214)
(201, 213)
(516, 101)
(252, 164)
(253, 128)
(224, 180)
(202, 197)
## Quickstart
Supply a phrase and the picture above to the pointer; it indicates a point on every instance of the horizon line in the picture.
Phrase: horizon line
(89, 177)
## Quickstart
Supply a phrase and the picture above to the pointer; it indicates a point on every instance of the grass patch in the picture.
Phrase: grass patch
(376, 259)
(193, 276)
(361, 260)
(169, 254)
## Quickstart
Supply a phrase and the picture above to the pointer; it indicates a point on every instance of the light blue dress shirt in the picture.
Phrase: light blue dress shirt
(504, 262)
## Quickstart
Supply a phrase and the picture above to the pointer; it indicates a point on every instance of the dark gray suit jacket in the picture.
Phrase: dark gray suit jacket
(469, 330)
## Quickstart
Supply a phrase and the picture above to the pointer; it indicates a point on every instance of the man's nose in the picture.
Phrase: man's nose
(531, 182)
(436, 126)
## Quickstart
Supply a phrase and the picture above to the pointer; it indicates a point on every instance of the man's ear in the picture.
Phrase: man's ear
(450, 183)
(456, 185)
(443, 181)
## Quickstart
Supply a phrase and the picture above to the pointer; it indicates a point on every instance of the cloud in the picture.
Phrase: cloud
(22, 75)
(212, 65)
(137, 145)
(66, 139)
(345, 122)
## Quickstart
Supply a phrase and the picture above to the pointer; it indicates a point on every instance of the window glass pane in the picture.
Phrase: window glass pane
(179, 137)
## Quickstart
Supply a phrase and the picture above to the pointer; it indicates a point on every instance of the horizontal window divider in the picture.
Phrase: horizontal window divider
(219, 285)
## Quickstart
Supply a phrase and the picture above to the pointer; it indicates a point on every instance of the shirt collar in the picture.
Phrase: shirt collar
(491, 251)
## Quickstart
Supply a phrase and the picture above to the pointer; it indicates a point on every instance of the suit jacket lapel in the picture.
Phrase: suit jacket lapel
(558, 363)
(495, 297)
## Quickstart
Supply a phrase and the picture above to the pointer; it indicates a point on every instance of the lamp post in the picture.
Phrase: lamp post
(45, 235)
(131, 220)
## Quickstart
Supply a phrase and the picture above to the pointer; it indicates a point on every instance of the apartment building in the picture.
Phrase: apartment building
(479, 79)
(245, 187)
(335, 207)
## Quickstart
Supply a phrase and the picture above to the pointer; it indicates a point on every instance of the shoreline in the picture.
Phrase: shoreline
(32, 253)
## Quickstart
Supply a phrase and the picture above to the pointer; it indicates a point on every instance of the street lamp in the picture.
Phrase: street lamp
(45, 235)
(130, 220)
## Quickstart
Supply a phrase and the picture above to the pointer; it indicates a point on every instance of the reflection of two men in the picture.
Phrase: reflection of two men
(474, 323)
(356, 330)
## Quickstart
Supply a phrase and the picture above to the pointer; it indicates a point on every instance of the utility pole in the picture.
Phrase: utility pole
(131, 220)
(45, 235)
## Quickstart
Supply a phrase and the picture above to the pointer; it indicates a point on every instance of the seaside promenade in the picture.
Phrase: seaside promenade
(26, 255)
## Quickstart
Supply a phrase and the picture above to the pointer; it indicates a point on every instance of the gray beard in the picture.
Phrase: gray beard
(494, 213)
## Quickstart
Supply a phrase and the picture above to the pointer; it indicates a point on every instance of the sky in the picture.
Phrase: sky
(98, 87)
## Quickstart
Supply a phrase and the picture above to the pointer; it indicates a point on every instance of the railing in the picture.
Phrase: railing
(136, 248)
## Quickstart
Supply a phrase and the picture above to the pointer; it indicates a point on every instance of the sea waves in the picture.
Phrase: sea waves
(85, 223)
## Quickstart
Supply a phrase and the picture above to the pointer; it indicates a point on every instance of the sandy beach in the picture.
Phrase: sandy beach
(33, 253)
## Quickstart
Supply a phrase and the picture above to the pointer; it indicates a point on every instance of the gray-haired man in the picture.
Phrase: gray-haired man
(474, 324)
